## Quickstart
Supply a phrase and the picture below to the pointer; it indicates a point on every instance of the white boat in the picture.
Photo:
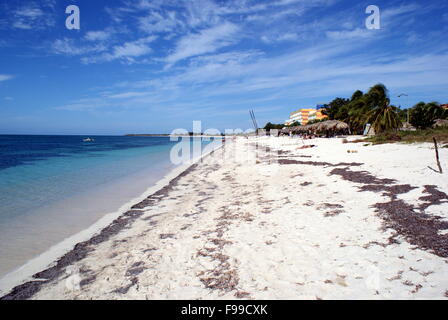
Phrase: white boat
(88, 140)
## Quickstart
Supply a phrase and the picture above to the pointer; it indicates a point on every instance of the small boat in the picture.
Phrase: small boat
(88, 140)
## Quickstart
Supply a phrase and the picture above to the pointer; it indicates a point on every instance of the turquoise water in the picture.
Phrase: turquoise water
(52, 187)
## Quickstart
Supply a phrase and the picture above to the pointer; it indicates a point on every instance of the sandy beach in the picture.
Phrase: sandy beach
(262, 219)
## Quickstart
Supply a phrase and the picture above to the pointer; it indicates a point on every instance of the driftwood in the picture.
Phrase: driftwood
(437, 155)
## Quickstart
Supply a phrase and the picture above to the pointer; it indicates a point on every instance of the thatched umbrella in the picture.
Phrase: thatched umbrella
(440, 123)
(331, 125)
(289, 130)
(340, 125)
(311, 127)
(306, 128)
(321, 126)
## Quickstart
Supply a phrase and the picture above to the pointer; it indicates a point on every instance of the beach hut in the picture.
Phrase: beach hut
(440, 123)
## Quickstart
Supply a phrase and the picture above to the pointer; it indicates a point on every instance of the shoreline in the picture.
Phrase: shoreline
(24, 281)
(273, 221)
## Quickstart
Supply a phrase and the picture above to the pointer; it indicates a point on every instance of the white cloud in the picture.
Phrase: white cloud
(350, 34)
(287, 36)
(160, 22)
(130, 49)
(33, 15)
(235, 79)
(207, 41)
(19, 24)
(126, 95)
(398, 11)
(69, 47)
(127, 51)
(97, 35)
(4, 77)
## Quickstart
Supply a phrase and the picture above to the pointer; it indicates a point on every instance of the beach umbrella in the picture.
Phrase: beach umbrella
(340, 125)
(321, 126)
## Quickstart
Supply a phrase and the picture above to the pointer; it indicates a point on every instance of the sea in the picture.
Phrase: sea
(52, 187)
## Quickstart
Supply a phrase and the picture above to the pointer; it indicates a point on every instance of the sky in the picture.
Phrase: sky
(152, 66)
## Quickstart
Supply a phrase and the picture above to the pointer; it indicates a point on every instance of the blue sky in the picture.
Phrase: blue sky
(156, 65)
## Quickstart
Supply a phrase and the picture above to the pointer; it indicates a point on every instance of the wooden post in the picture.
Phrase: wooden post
(437, 155)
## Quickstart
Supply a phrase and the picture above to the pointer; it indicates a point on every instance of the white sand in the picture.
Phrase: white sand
(247, 228)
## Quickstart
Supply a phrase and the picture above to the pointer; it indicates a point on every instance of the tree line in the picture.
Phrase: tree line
(374, 107)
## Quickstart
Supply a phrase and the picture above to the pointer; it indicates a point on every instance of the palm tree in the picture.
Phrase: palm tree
(424, 114)
(358, 114)
(382, 115)
(358, 94)
(434, 110)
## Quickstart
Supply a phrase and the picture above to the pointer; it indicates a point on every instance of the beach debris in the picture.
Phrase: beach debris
(136, 269)
(307, 146)
(436, 197)
(331, 209)
(437, 155)
(125, 289)
(317, 163)
(242, 294)
(418, 228)
(166, 235)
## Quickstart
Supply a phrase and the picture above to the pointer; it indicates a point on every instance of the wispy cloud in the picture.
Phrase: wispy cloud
(206, 41)
(210, 82)
(350, 34)
(126, 51)
(71, 47)
(160, 22)
(34, 15)
(126, 95)
(203, 58)
(97, 35)
(4, 77)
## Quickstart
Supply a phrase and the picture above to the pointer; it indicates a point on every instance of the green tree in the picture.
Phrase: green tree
(382, 115)
(403, 114)
(316, 121)
(358, 94)
(270, 126)
(294, 124)
(422, 115)
(358, 113)
(334, 109)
